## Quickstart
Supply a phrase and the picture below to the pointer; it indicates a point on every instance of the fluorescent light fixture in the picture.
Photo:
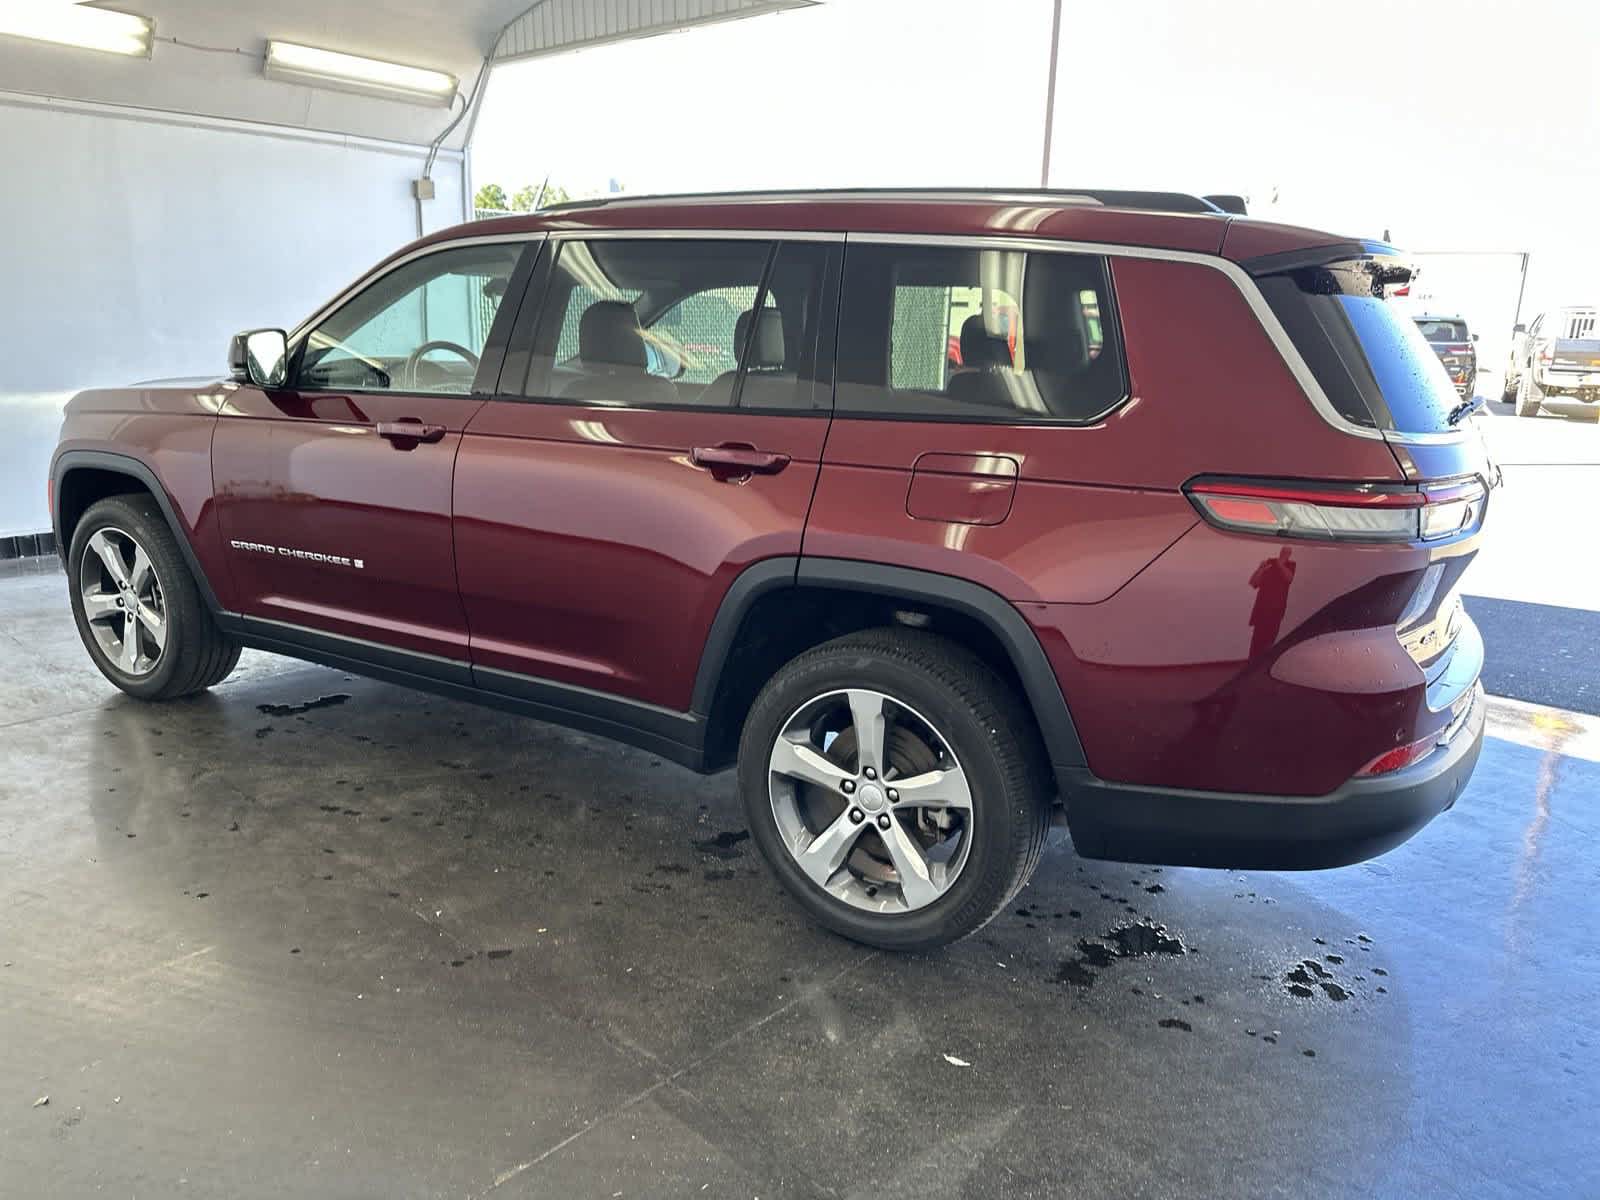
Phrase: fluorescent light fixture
(293, 63)
(77, 25)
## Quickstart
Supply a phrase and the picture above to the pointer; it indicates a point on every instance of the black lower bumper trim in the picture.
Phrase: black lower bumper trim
(1362, 819)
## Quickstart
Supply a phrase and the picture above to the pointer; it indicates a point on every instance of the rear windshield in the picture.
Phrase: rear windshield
(1372, 361)
(1442, 331)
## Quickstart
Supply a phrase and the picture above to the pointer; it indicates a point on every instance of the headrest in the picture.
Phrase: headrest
(1063, 352)
(979, 347)
(609, 334)
(767, 351)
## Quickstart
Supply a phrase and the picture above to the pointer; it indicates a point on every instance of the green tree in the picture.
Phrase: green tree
(528, 196)
(491, 195)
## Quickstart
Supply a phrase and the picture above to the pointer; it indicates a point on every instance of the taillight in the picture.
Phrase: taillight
(1357, 512)
(1400, 756)
(1547, 354)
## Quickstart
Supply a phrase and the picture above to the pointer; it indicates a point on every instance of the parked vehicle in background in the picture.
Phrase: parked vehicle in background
(1557, 357)
(1453, 343)
(1174, 556)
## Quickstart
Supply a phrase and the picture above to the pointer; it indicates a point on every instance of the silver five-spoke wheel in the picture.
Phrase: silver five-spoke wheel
(123, 601)
(870, 801)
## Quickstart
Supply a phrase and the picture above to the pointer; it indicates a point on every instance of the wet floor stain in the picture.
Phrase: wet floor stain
(294, 710)
(1309, 976)
(1175, 1023)
(1137, 939)
(725, 844)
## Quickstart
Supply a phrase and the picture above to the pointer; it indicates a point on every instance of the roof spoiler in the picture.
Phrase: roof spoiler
(1397, 270)
(1228, 203)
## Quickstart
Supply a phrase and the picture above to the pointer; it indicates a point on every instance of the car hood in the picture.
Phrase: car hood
(183, 381)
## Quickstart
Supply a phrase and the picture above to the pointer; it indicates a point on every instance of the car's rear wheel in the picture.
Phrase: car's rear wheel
(137, 607)
(1528, 395)
(897, 787)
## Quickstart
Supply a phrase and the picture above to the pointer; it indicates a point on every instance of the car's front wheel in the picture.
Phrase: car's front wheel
(138, 609)
(897, 787)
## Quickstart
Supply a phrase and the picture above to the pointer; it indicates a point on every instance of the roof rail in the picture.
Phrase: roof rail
(1157, 201)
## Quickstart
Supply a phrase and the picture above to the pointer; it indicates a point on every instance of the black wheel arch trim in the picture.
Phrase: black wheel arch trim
(749, 585)
(993, 611)
(70, 460)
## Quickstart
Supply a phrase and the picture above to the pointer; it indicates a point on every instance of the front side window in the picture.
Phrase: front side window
(978, 334)
(668, 322)
(419, 328)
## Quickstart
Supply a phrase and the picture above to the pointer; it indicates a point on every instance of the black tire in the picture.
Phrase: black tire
(992, 735)
(196, 653)
(1528, 395)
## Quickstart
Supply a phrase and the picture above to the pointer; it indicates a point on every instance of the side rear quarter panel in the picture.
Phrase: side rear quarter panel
(1095, 504)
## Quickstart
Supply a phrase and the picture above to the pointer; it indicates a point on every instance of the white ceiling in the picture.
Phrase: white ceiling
(207, 54)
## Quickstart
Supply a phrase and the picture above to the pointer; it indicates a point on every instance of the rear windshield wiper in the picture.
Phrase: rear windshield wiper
(1465, 409)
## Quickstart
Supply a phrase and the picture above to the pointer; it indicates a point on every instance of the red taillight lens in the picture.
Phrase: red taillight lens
(1400, 756)
(1362, 512)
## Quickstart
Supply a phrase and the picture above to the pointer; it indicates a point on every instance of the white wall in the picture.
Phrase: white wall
(135, 243)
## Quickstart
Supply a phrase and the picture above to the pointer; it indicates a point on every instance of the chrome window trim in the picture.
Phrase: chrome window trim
(1240, 278)
(360, 285)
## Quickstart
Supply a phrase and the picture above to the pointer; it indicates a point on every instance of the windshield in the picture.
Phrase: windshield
(1442, 331)
(1372, 361)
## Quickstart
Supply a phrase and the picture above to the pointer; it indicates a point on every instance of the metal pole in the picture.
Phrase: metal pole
(1050, 95)
(1521, 288)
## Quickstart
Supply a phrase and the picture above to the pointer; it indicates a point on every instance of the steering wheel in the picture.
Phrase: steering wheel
(408, 373)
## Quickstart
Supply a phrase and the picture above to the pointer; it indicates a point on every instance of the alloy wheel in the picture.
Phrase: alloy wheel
(870, 801)
(123, 601)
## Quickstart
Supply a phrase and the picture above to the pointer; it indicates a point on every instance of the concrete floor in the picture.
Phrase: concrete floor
(398, 947)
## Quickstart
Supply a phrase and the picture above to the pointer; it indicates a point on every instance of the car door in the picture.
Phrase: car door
(333, 492)
(658, 428)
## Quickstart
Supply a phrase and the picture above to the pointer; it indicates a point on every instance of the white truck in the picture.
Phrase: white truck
(1556, 357)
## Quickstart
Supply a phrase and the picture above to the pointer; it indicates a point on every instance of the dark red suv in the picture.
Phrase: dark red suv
(1172, 554)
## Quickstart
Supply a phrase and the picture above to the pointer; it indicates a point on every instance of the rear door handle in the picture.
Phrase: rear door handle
(408, 431)
(737, 460)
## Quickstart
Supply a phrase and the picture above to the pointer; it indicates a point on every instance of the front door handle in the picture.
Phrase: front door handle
(737, 460)
(407, 432)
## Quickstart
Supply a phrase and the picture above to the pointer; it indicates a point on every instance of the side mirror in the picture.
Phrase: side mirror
(1474, 337)
(259, 356)
(1519, 329)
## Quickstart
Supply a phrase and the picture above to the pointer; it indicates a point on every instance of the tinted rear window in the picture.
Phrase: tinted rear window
(1443, 331)
(1372, 361)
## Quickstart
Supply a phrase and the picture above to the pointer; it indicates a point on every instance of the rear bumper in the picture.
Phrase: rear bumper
(1359, 820)
(1575, 384)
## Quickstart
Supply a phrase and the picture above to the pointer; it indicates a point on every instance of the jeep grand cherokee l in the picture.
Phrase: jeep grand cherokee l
(1173, 554)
